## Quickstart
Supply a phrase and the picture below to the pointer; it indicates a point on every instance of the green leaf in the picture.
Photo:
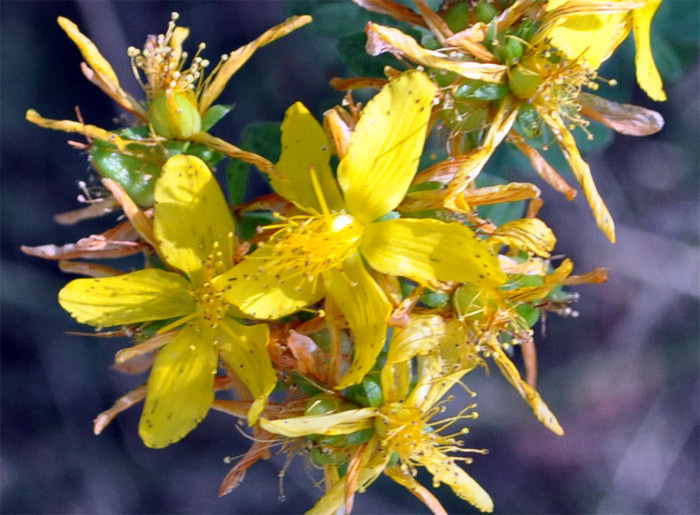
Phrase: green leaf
(264, 139)
(373, 392)
(529, 314)
(352, 50)
(502, 212)
(250, 220)
(237, 174)
(435, 300)
(214, 114)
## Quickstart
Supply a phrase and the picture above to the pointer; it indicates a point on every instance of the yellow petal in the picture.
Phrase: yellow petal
(549, 281)
(305, 152)
(429, 250)
(262, 295)
(245, 350)
(386, 146)
(180, 389)
(647, 74)
(150, 294)
(239, 57)
(191, 217)
(528, 234)
(446, 471)
(590, 36)
(90, 52)
(382, 39)
(432, 384)
(334, 499)
(232, 151)
(422, 335)
(510, 372)
(582, 172)
(90, 131)
(405, 479)
(366, 309)
(341, 423)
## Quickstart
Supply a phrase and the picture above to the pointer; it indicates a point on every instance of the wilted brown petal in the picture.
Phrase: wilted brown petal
(626, 119)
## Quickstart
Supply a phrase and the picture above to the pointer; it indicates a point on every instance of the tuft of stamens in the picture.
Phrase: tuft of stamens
(305, 246)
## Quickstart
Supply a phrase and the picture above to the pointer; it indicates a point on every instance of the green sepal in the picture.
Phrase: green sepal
(480, 90)
(360, 437)
(214, 114)
(367, 393)
(136, 172)
(425, 186)
(485, 12)
(434, 299)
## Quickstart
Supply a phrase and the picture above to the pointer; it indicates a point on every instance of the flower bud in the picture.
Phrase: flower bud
(526, 76)
(175, 115)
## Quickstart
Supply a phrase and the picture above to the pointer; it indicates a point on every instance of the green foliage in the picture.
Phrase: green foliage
(351, 49)
(214, 114)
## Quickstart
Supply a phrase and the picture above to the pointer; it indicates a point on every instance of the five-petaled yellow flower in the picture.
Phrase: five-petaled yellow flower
(550, 77)
(326, 248)
(406, 433)
(592, 30)
(178, 96)
(194, 234)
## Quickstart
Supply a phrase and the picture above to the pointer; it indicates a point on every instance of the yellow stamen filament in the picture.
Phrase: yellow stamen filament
(306, 246)
(163, 63)
(417, 442)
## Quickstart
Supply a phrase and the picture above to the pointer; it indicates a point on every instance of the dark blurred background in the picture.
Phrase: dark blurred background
(622, 376)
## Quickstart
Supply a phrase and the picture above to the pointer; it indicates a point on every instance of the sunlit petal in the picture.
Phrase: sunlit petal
(447, 471)
(341, 423)
(429, 250)
(262, 295)
(305, 152)
(366, 309)
(90, 52)
(647, 74)
(582, 172)
(180, 389)
(386, 146)
(240, 56)
(139, 296)
(244, 349)
(191, 217)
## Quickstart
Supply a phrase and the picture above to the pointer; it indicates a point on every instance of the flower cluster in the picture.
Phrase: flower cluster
(375, 285)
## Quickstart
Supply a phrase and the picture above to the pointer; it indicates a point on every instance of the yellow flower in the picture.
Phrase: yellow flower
(551, 86)
(404, 425)
(327, 247)
(178, 96)
(593, 29)
(193, 231)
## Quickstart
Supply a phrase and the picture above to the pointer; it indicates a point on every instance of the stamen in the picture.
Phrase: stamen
(305, 246)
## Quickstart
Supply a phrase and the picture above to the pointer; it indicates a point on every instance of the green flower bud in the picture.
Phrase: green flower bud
(526, 76)
(457, 16)
(175, 115)
(485, 12)
(471, 303)
(136, 173)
